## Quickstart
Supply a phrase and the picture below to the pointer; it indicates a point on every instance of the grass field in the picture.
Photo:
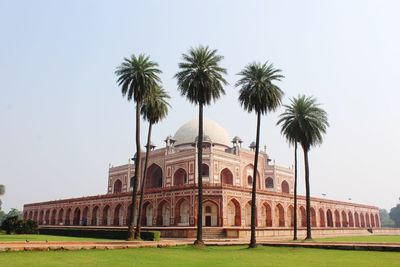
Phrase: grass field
(6, 238)
(371, 238)
(209, 256)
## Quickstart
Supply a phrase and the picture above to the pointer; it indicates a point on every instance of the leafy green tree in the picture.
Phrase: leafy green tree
(154, 109)
(395, 215)
(385, 218)
(200, 80)
(312, 123)
(258, 93)
(136, 76)
(291, 130)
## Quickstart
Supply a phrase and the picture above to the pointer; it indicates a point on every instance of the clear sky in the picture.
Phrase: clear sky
(63, 119)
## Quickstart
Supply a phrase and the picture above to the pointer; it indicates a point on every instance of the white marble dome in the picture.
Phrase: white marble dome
(188, 132)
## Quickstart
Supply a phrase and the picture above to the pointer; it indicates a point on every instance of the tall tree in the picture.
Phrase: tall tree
(395, 215)
(200, 80)
(258, 93)
(154, 109)
(310, 122)
(137, 76)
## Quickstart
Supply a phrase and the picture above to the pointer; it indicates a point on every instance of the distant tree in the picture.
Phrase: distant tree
(136, 76)
(395, 215)
(258, 93)
(200, 80)
(385, 218)
(154, 109)
(2, 191)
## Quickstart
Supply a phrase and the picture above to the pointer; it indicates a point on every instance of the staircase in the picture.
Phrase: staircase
(213, 233)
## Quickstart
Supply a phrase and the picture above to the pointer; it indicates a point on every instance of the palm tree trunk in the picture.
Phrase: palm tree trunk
(199, 240)
(295, 193)
(131, 229)
(253, 242)
(308, 201)
(139, 218)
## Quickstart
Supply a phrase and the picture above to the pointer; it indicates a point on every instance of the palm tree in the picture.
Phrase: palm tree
(308, 123)
(136, 76)
(258, 93)
(201, 80)
(291, 131)
(154, 109)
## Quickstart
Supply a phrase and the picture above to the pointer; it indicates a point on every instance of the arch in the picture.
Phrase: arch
(351, 220)
(269, 183)
(249, 180)
(154, 176)
(41, 217)
(321, 218)
(117, 187)
(226, 176)
(303, 217)
(95, 216)
(205, 170)
(329, 218)
(53, 217)
(68, 217)
(180, 177)
(60, 217)
(372, 220)
(210, 213)
(368, 223)
(234, 217)
(164, 214)
(30, 215)
(118, 215)
(35, 216)
(106, 215)
(47, 217)
(280, 215)
(313, 217)
(182, 212)
(248, 172)
(291, 215)
(265, 215)
(337, 218)
(357, 219)
(77, 217)
(129, 215)
(345, 223)
(377, 222)
(362, 220)
(285, 187)
(85, 219)
(247, 219)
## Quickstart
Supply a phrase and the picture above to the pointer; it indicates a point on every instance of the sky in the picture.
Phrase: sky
(63, 119)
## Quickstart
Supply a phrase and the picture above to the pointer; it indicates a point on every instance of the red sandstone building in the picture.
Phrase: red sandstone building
(171, 193)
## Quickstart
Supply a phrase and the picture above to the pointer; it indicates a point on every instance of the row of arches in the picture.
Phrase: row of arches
(154, 179)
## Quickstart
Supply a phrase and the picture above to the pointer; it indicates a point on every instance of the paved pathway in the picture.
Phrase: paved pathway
(102, 245)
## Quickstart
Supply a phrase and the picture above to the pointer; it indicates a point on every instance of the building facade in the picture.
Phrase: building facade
(171, 191)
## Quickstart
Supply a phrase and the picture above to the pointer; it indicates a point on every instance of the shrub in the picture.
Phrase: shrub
(150, 235)
(14, 226)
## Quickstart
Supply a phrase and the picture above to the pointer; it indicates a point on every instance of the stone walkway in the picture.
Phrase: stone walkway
(78, 245)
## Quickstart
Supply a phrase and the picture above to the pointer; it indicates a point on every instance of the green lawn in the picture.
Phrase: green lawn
(6, 238)
(370, 238)
(209, 256)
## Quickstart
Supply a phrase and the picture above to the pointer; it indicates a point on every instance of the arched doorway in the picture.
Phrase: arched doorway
(291, 215)
(285, 187)
(47, 217)
(313, 217)
(280, 215)
(106, 219)
(95, 216)
(372, 220)
(247, 219)
(266, 214)
(321, 218)
(377, 222)
(269, 183)
(362, 220)
(226, 177)
(154, 176)
(118, 215)
(329, 218)
(234, 218)
(60, 217)
(210, 214)
(35, 216)
(303, 217)
(85, 220)
(345, 223)
(357, 219)
(164, 214)
(368, 224)
(41, 217)
(182, 212)
(337, 218)
(53, 217)
(77, 217)
(68, 217)
(205, 170)
(351, 221)
(248, 176)
(180, 177)
(117, 188)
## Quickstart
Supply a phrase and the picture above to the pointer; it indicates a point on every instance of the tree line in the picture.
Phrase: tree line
(201, 80)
